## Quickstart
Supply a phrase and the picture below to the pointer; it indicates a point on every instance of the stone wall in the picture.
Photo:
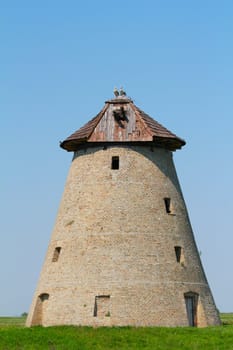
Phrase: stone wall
(117, 263)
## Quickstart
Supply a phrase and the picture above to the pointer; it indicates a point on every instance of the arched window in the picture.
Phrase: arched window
(40, 308)
(44, 296)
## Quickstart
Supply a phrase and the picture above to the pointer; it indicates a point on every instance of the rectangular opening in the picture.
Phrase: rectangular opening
(178, 251)
(102, 306)
(115, 162)
(191, 300)
(167, 202)
(56, 254)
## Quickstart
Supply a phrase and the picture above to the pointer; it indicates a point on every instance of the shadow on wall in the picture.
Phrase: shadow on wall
(164, 162)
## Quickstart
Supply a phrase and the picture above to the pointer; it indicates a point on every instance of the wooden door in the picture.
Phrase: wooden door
(191, 308)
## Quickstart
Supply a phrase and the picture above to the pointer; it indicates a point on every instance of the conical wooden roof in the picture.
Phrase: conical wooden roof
(121, 120)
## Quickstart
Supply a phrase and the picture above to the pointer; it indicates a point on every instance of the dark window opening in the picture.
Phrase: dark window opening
(44, 296)
(167, 202)
(56, 254)
(178, 251)
(115, 163)
(102, 306)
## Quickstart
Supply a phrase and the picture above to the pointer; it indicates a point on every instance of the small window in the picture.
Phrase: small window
(44, 296)
(178, 251)
(56, 254)
(102, 306)
(168, 207)
(115, 163)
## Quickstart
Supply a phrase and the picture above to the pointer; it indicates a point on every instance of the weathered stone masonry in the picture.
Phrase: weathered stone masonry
(122, 251)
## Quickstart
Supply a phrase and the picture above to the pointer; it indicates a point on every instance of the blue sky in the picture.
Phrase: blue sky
(60, 61)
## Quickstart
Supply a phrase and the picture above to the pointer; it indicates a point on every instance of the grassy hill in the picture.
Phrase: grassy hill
(13, 335)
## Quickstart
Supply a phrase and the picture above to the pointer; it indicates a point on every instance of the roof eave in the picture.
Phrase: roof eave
(72, 145)
(171, 144)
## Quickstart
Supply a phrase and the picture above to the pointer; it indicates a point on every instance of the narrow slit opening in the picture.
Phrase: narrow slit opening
(56, 254)
(115, 163)
(167, 202)
(178, 251)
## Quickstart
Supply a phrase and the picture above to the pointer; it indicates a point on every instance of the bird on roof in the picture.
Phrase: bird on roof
(116, 92)
(122, 92)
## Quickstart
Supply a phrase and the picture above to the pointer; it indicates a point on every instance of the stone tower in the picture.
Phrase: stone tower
(122, 251)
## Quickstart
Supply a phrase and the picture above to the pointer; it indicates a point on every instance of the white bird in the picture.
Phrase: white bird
(116, 92)
(122, 92)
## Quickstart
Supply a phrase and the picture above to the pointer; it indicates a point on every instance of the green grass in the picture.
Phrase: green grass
(14, 336)
(227, 318)
(12, 321)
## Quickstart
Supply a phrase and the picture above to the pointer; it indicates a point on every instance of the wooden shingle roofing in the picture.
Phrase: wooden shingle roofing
(121, 121)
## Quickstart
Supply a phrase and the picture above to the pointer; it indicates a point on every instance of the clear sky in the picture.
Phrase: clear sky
(60, 61)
